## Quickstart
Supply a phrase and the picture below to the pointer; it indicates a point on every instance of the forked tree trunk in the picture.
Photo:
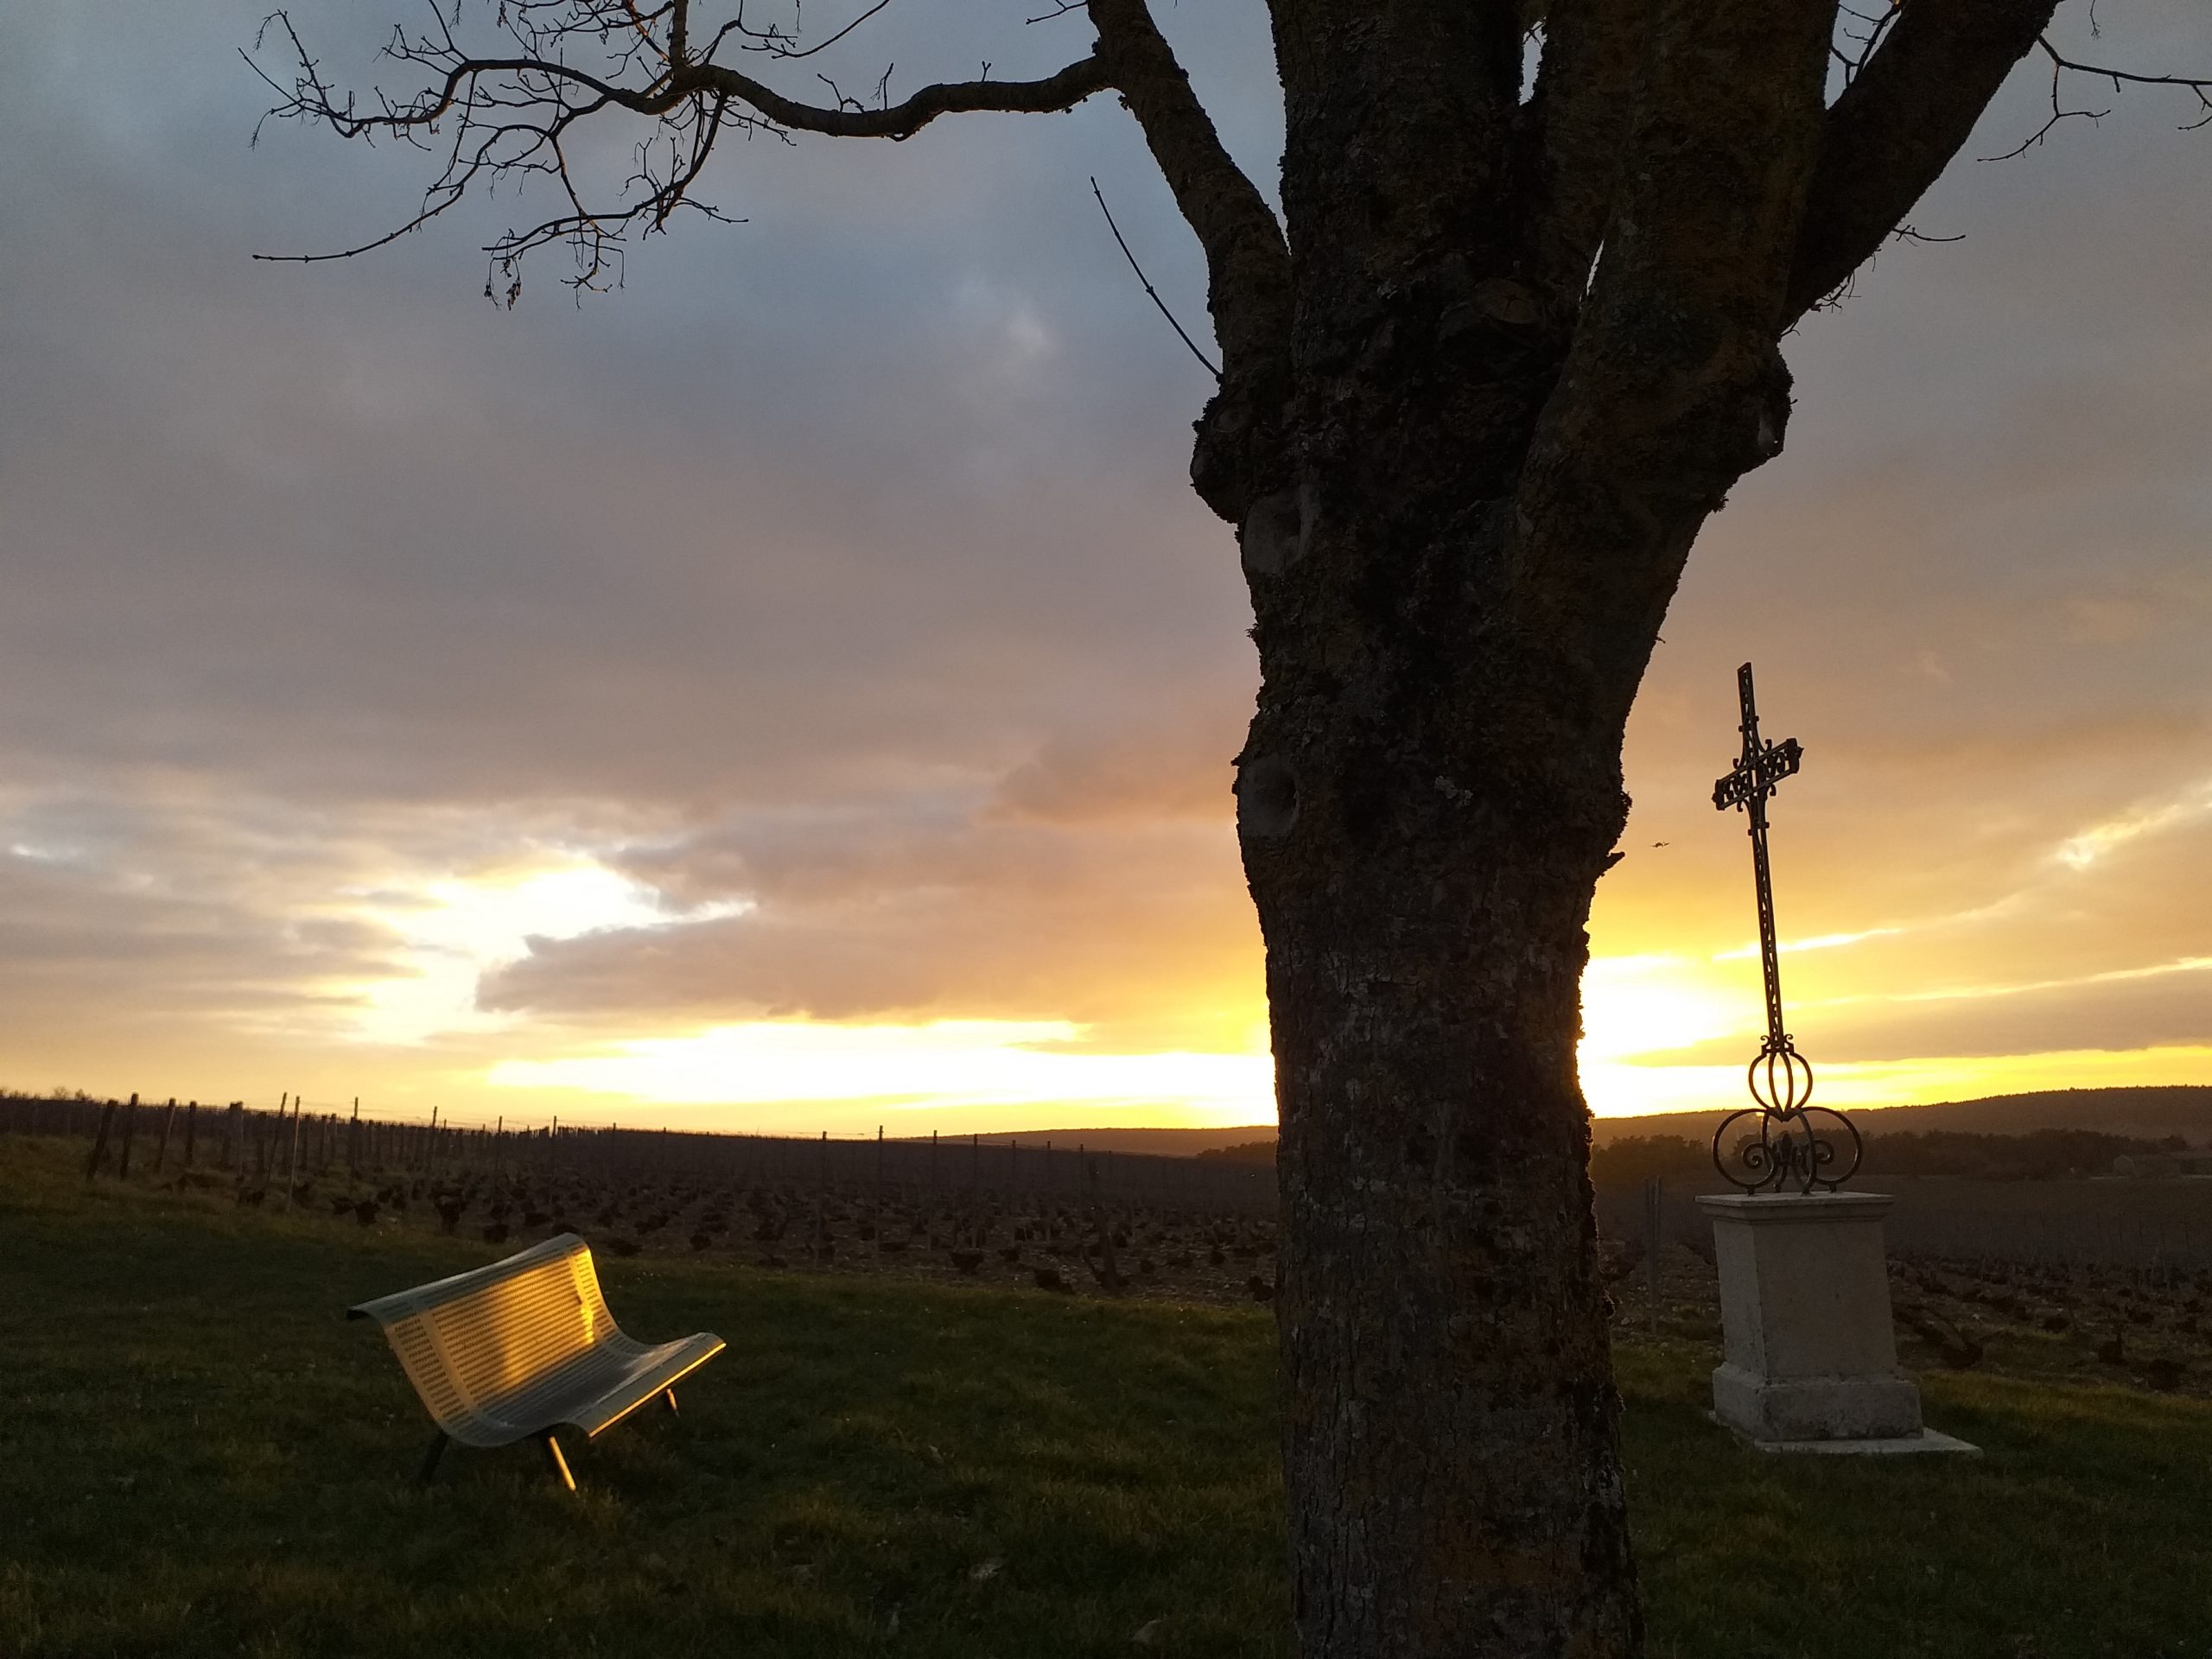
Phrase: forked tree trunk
(1486, 484)
(1429, 794)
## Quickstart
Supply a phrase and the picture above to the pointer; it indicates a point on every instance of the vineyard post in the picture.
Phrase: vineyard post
(821, 1196)
(1655, 1198)
(130, 1128)
(292, 1173)
(161, 1147)
(1108, 1276)
(100, 1141)
(191, 1127)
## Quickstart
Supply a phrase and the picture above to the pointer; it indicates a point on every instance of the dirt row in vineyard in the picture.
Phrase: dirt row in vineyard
(1048, 1244)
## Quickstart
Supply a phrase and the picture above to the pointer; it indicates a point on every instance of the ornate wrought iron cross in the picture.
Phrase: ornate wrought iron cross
(1789, 1149)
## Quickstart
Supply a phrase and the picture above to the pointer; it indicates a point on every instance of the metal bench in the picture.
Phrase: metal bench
(506, 1352)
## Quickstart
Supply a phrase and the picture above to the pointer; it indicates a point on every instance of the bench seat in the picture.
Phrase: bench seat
(508, 1351)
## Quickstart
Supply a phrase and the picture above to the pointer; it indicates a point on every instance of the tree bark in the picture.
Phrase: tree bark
(1424, 821)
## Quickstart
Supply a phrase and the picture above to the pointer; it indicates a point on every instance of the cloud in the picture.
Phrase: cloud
(2160, 1006)
(905, 911)
(1181, 773)
(2099, 841)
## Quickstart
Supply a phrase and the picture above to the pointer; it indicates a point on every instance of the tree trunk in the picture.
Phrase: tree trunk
(1430, 792)
(1492, 467)
(1424, 824)
(1450, 1438)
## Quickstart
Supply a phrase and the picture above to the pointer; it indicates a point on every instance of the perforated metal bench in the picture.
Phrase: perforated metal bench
(510, 1351)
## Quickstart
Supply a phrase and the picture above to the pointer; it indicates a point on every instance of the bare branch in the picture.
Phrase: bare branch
(1574, 133)
(1150, 292)
(1248, 263)
(2062, 66)
(1903, 117)
(2058, 112)
(1674, 379)
(783, 48)
(903, 120)
(1897, 124)
(1858, 33)
(2201, 86)
(506, 115)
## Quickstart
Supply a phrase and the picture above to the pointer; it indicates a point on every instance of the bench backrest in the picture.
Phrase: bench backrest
(479, 1337)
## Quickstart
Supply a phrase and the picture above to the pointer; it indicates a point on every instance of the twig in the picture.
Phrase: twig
(2061, 66)
(1150, 292)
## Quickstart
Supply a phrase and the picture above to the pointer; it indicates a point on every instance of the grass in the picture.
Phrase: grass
(197, 1456)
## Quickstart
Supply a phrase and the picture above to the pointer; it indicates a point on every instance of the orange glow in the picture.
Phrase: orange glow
(803, 1074)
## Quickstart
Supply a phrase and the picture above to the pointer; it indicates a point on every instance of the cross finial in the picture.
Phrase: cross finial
(1762, 765)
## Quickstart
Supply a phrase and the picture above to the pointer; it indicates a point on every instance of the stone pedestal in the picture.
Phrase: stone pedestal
(1811, 1357)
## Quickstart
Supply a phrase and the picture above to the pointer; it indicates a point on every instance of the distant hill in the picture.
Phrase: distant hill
(1245, 1152)
(1172, 1143)
(2152, 1114)
(2184, 1109)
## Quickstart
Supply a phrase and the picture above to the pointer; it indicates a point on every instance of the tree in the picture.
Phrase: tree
(1507, 347)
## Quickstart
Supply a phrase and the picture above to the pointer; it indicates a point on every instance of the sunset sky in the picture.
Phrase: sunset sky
(798, 690)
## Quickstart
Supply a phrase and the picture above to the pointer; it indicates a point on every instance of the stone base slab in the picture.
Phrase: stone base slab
(1927, 1440)
(1815, 1408)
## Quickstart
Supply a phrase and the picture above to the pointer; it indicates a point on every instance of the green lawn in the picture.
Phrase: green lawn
(198, 1456)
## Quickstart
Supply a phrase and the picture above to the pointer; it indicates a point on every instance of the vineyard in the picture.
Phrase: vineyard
(1059, 1219)
(2148, 1229)
(1068, 1219)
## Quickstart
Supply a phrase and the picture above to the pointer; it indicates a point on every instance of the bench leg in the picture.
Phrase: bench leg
(553, 1456)
(431, 1463)
(669, 1395)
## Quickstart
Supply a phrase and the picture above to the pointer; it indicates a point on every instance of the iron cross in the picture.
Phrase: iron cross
(1763, 764)
(1813, 1148)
